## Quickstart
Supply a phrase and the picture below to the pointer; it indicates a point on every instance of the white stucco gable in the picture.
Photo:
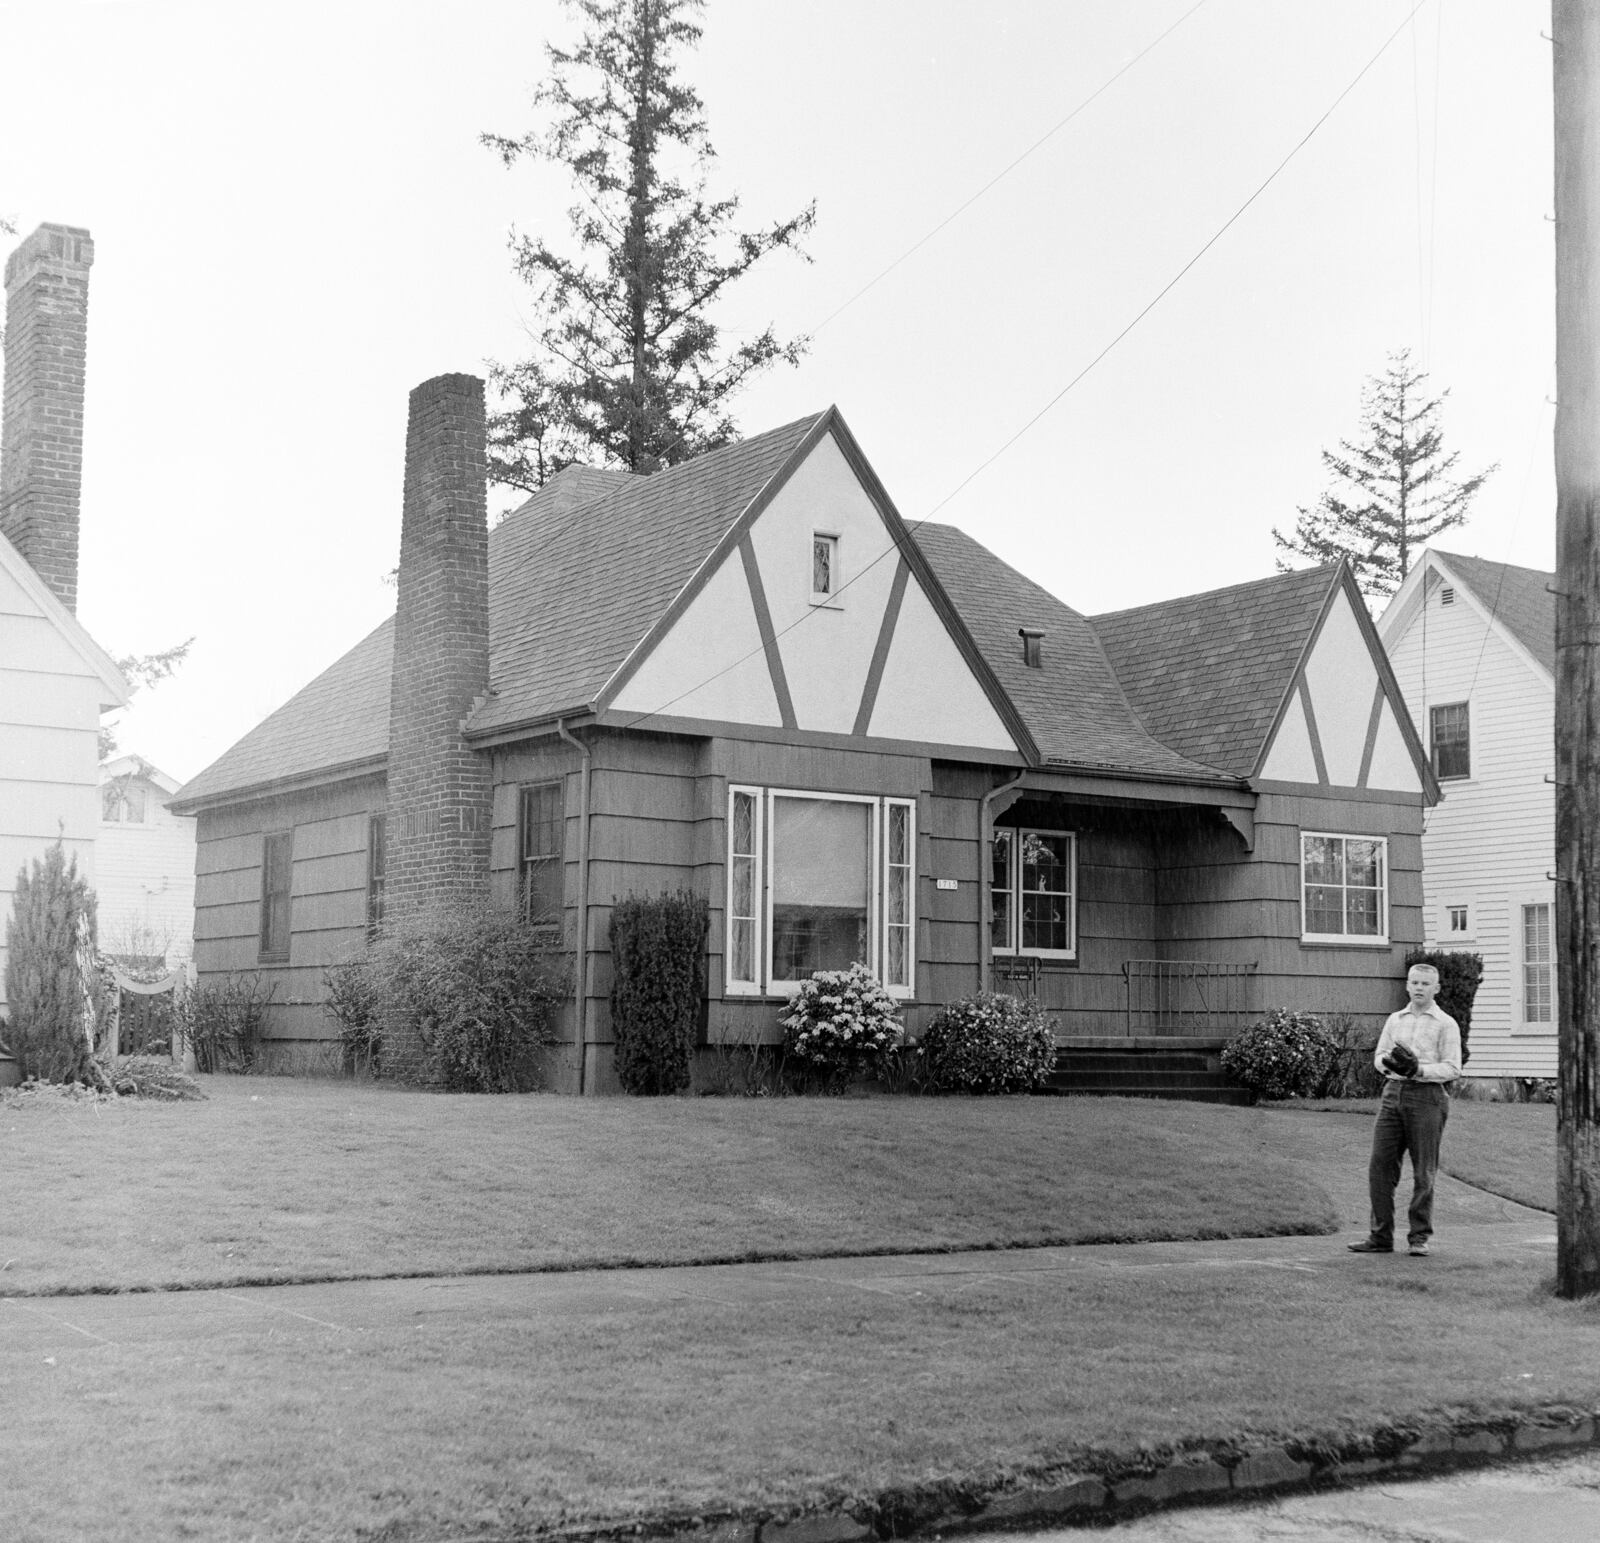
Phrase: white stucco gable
(1339, 727)
(850, 642)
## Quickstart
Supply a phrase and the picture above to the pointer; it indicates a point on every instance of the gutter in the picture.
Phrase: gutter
(582, 1014)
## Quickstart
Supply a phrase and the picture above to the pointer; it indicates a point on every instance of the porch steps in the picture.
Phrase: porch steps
(1149, 1067)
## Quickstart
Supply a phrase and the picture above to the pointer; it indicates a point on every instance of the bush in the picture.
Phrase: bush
(478, 986)
(154, 1077)
(54, 987)
(223, 1022)
(1286, 1055)
(657, 986)
(355, 1003)
(840, 1023)
(990, 1043)
(1459, 974)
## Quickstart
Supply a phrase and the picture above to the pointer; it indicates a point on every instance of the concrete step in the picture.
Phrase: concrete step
(1210, 1095)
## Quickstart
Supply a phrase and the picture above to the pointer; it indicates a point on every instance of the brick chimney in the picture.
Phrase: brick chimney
(41, 435)
(437, 838)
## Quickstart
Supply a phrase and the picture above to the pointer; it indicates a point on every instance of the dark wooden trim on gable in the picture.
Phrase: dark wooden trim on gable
(1310, 711)
(1296, 680)
(718, 555)
(1391, 687)
(712, 728)
(1374, 720)
(769, 637)
(880, 652)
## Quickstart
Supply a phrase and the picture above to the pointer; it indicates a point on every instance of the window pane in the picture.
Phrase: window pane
(1361, 909)
(1324, 909)
(1044, 922)
(821, 876)
(1324, 859)
(742, 952)
(1451, 741)
(744, 824)
(1363, 863)
(822, 565)
(1000, 890)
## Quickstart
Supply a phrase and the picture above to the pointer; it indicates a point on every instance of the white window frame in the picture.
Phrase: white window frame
(1445, 935)
(1519, 909)
(1014, 889)
(1347, 939)
(766, 983)
(829, 596)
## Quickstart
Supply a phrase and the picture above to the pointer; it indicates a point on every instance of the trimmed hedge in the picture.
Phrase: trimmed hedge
(1285, 1055)
(1459, 975)
(658, 980)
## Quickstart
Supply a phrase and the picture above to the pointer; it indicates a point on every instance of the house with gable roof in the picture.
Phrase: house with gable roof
(748, 677)
(1474, 645)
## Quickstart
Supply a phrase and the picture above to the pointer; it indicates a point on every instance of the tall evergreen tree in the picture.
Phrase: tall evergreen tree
(50, 996)
(628, 368)
(1392, 493)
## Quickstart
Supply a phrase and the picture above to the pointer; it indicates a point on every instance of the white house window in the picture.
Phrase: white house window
(1457, 922)
(1344, 888)
(124, 802)
(1538, 965)
(1033, 892)
(825, 577)
(817, 881)
(1452, 741)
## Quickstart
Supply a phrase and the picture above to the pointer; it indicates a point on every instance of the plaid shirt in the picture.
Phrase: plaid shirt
(1431, 1035)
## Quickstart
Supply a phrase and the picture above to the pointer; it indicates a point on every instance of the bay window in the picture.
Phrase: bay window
(817, 881)
(1033, 892)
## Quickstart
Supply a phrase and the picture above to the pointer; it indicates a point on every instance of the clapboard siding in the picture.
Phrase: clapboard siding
(1490, 843)
(328, 896)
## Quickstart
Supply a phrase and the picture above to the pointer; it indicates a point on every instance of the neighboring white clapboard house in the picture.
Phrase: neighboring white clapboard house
(144, 868)
(1473, 646)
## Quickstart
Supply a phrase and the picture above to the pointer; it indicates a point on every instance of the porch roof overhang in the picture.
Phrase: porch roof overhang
(1235, 801)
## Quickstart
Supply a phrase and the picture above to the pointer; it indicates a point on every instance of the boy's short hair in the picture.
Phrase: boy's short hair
(1431, 969)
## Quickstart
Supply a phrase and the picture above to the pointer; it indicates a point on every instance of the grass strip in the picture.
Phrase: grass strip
(275, 1180)
(444, 1424)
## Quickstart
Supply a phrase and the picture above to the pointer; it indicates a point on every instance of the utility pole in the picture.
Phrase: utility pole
(1575, 36)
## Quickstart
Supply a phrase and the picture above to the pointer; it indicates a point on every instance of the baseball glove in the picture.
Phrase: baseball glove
(1402, 1060)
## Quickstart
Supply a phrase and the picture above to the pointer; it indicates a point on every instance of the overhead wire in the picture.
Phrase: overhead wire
(1161, 294)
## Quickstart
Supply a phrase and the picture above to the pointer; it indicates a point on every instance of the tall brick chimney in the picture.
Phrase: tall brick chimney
(41, 434)
(437, 840)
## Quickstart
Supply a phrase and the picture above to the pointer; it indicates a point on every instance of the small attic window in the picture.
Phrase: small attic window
(1447, 595)
(1032, 646)
(825, 577)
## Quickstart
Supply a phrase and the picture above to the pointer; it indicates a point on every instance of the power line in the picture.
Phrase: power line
(1165, 290)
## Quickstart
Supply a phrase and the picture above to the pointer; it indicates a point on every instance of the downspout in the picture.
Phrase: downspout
(583, 901)
(986, 880)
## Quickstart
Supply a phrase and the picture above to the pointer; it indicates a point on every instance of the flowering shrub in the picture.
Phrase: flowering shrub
(841, 1022)
(1286, 1055)
(990, 1043)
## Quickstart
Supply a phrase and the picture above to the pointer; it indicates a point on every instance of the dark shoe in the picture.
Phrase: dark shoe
(1418, 1250)
(1369, 1247)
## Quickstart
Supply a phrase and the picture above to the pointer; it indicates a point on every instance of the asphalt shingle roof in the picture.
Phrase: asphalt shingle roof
(1072, 704)
(1206, 673)
(1518, 597)
(577, 576)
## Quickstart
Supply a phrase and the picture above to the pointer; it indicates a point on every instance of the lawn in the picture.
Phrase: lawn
(276, 1179)
(454, 1426)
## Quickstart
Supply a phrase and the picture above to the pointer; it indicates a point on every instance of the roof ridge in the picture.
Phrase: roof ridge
(1323, 569)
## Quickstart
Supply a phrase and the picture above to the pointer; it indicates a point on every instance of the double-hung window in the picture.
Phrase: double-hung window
(1538, 966)
(377, 827)
(277, 869)
(819, 881)
(1344, 888)
(1452, 741)
(1033, 883)
(540, 828)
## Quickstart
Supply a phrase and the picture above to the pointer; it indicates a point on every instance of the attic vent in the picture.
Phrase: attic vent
(1447, 595)
(1032, 646)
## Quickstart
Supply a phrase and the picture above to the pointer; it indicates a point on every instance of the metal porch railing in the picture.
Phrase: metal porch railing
(1186, 998)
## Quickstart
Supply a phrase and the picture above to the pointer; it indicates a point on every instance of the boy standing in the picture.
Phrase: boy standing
(1420, 1051)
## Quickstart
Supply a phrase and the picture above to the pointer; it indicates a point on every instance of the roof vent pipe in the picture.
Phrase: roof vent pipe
(1032, 646)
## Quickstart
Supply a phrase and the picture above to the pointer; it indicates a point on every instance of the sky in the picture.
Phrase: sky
(295, 224)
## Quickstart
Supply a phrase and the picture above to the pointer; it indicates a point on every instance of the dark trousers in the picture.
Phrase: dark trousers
(1410, 1119)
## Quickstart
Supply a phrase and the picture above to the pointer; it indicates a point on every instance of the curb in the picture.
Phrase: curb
(1120, 1485)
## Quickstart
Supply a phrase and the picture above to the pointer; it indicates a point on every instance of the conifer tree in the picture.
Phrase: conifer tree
(1392, 493)
(47, 994)
(628, 368)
